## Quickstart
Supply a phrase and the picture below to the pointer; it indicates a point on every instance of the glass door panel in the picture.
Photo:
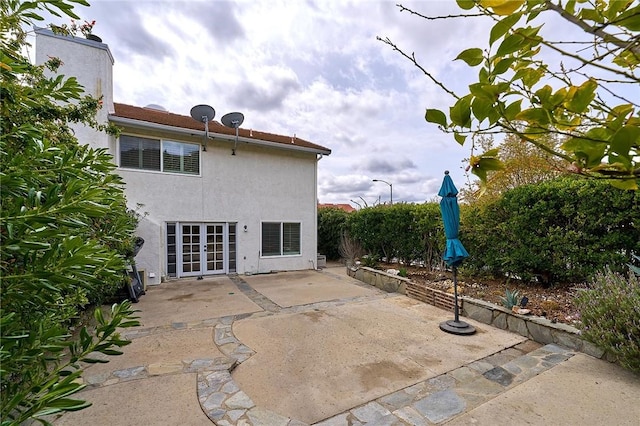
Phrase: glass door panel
(215, 247)
(191, 250)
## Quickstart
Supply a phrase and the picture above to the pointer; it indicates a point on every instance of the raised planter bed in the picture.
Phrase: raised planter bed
(538, 329)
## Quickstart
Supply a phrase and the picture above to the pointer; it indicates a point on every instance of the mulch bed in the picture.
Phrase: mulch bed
(553, 302)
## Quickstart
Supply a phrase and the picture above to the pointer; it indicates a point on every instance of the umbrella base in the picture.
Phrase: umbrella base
(457, 327)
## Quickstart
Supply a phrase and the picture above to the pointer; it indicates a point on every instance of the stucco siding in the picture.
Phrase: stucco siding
(255, 185)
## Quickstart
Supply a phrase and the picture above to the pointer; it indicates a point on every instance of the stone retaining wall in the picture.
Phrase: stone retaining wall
(380, 279)
(538, 329)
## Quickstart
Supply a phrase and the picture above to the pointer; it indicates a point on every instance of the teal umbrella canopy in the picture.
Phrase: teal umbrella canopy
(454, 252)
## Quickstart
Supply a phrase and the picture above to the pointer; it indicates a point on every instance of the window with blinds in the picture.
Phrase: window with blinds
(280, 238)
(290, 238)
(153, 154)
(139, 153)
(180, 157)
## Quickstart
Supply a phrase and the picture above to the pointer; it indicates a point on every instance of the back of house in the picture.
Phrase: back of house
(203, 211)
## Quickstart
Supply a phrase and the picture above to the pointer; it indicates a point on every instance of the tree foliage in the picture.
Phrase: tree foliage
(522, 164)
(64, 225)
(586, 96)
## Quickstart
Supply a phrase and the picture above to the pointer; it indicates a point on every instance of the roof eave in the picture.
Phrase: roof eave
(130, 122)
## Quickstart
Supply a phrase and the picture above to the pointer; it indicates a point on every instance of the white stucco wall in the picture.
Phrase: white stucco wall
(256, 185)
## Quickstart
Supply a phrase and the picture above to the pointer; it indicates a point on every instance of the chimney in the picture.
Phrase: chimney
(91, 63)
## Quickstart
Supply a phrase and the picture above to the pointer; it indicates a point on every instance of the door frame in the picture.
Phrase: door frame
(179, 255)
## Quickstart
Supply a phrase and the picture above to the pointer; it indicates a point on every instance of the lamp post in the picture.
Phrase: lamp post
(390, 189)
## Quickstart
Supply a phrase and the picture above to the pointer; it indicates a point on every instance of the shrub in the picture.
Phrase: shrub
(370, 260)
(350, 249)
(64, 228)
(408, 232)
(610, 316)
(403, 272)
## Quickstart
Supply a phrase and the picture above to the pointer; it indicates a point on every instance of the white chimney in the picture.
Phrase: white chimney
(91, 63)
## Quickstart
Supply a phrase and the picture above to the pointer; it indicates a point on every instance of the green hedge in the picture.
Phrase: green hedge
(408, 232)
(563, 230)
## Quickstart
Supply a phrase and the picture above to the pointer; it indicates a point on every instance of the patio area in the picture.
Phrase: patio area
(318, 347)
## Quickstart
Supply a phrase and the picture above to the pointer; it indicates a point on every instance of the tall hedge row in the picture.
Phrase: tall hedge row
(409, 232)
(563, 230)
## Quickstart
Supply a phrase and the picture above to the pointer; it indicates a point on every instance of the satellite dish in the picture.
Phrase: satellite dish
(203, 114)
(156, 107)
(233, 120)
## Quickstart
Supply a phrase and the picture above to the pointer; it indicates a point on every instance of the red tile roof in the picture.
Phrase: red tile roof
(346, 207)
(186, 122)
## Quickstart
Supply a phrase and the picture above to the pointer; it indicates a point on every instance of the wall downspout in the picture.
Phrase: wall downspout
(315, 215)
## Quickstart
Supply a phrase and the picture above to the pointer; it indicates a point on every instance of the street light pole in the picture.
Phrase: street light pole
(390, 189)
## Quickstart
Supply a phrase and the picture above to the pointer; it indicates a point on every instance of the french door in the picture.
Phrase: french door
(203, 248)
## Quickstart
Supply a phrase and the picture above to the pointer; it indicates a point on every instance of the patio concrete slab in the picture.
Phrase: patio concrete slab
(188, 301)
(302, 288)
(161, 349)
(169, 400)
(313, 365)
(580, 391)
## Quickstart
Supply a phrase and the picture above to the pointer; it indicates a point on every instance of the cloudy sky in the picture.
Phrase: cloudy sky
(312, 68)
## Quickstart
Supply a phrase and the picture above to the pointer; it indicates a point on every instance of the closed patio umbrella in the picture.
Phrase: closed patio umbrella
(454, 252)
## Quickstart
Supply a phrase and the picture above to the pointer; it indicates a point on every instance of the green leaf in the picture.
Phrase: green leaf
(513, 110)
(485, 163)
(630, 19)
(436, 116)
(529, 76)
(543, 94)
(511, 43)
(580, 97)
(503, 66)
(624, 139)
(591, 15)
(503, 26)
(459, 138)
(534, 116)
(460, 113)
(471, 56)
(627, 59)
(626, 184)
(586, 149)
(481, 108)
(466, 4)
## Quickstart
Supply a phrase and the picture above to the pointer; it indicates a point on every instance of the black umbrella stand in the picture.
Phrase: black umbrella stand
(456, 326)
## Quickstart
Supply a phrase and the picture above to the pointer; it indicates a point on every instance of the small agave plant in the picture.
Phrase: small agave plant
(510, 299)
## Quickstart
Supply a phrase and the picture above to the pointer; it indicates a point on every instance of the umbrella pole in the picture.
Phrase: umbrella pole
(455, 293)
(456, 326)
